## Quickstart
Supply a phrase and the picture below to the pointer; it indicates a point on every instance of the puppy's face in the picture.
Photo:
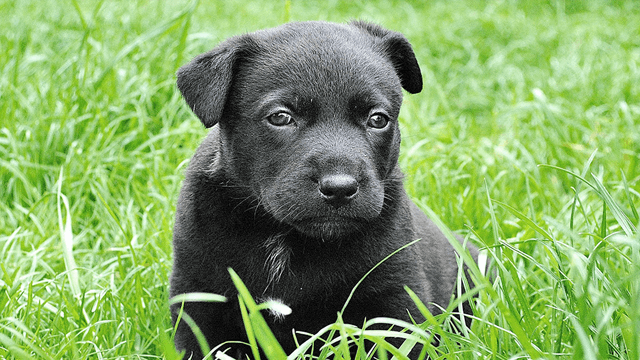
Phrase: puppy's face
(310, 127)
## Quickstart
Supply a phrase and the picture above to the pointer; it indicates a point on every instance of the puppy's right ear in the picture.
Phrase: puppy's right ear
(206, 80)
(398, 50)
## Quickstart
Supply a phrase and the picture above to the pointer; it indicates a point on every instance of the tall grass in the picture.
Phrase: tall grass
(526, 140)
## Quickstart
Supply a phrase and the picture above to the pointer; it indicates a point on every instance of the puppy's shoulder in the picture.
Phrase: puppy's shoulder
(433, 237)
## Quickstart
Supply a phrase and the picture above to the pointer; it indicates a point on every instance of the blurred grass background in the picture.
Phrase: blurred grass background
(94, 138)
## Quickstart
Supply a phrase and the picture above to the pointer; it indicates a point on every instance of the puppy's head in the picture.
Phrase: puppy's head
(308, 119)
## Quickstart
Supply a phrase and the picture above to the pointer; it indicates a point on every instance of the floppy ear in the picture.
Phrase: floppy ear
(206, 80)
(398, 50)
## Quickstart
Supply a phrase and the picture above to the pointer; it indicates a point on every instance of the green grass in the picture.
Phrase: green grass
(526, 139)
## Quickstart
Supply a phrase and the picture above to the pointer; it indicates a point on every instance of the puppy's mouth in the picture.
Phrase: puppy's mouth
(329, 228)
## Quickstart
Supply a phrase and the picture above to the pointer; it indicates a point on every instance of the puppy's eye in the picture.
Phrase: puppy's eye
(280, 119)
(378, 121)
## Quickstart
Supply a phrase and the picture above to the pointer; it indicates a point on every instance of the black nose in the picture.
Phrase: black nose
(338, 189)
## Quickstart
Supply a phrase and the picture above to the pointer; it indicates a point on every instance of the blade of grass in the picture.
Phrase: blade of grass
(510, 318)
(494, 222)
(257, 324)
(183, 35)
(80, 14)
(353, 290)
(437, 327)
(248, 328)
(311, 340)
(197, 297)
(583, 174)
(570, 173)
(14, 349)
(146, 36)
(588, 352)
(604, 194)
(66, 236)
(629, 199)
(618, 214)
(202, 341)
(24, 334)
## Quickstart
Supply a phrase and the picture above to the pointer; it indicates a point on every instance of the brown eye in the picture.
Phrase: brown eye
(280, 119)
(378, 121)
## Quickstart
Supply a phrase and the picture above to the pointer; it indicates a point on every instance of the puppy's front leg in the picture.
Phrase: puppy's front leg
(209, 318)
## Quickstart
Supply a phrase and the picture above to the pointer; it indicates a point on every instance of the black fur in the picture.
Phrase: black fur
(302, 211)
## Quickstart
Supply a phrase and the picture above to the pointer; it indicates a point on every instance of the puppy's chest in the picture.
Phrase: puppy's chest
(296, 275)
(310, 296)
(300, 275)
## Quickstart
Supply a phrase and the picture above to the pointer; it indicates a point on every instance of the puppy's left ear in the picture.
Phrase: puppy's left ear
(398, 50)
(206, 80)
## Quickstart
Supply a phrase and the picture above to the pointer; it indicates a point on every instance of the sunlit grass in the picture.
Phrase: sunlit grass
(526, 140)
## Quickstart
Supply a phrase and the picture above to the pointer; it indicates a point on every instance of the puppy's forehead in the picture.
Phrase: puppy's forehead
(326, 59)
(312, 38)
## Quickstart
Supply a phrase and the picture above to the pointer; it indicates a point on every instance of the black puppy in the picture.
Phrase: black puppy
(298, 188)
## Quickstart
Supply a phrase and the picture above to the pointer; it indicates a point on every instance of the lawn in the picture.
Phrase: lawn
(526, 139)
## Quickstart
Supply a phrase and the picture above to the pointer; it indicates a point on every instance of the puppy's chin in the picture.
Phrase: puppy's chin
(329, 229)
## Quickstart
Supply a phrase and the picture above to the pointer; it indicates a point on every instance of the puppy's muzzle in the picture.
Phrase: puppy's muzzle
(338, 189)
